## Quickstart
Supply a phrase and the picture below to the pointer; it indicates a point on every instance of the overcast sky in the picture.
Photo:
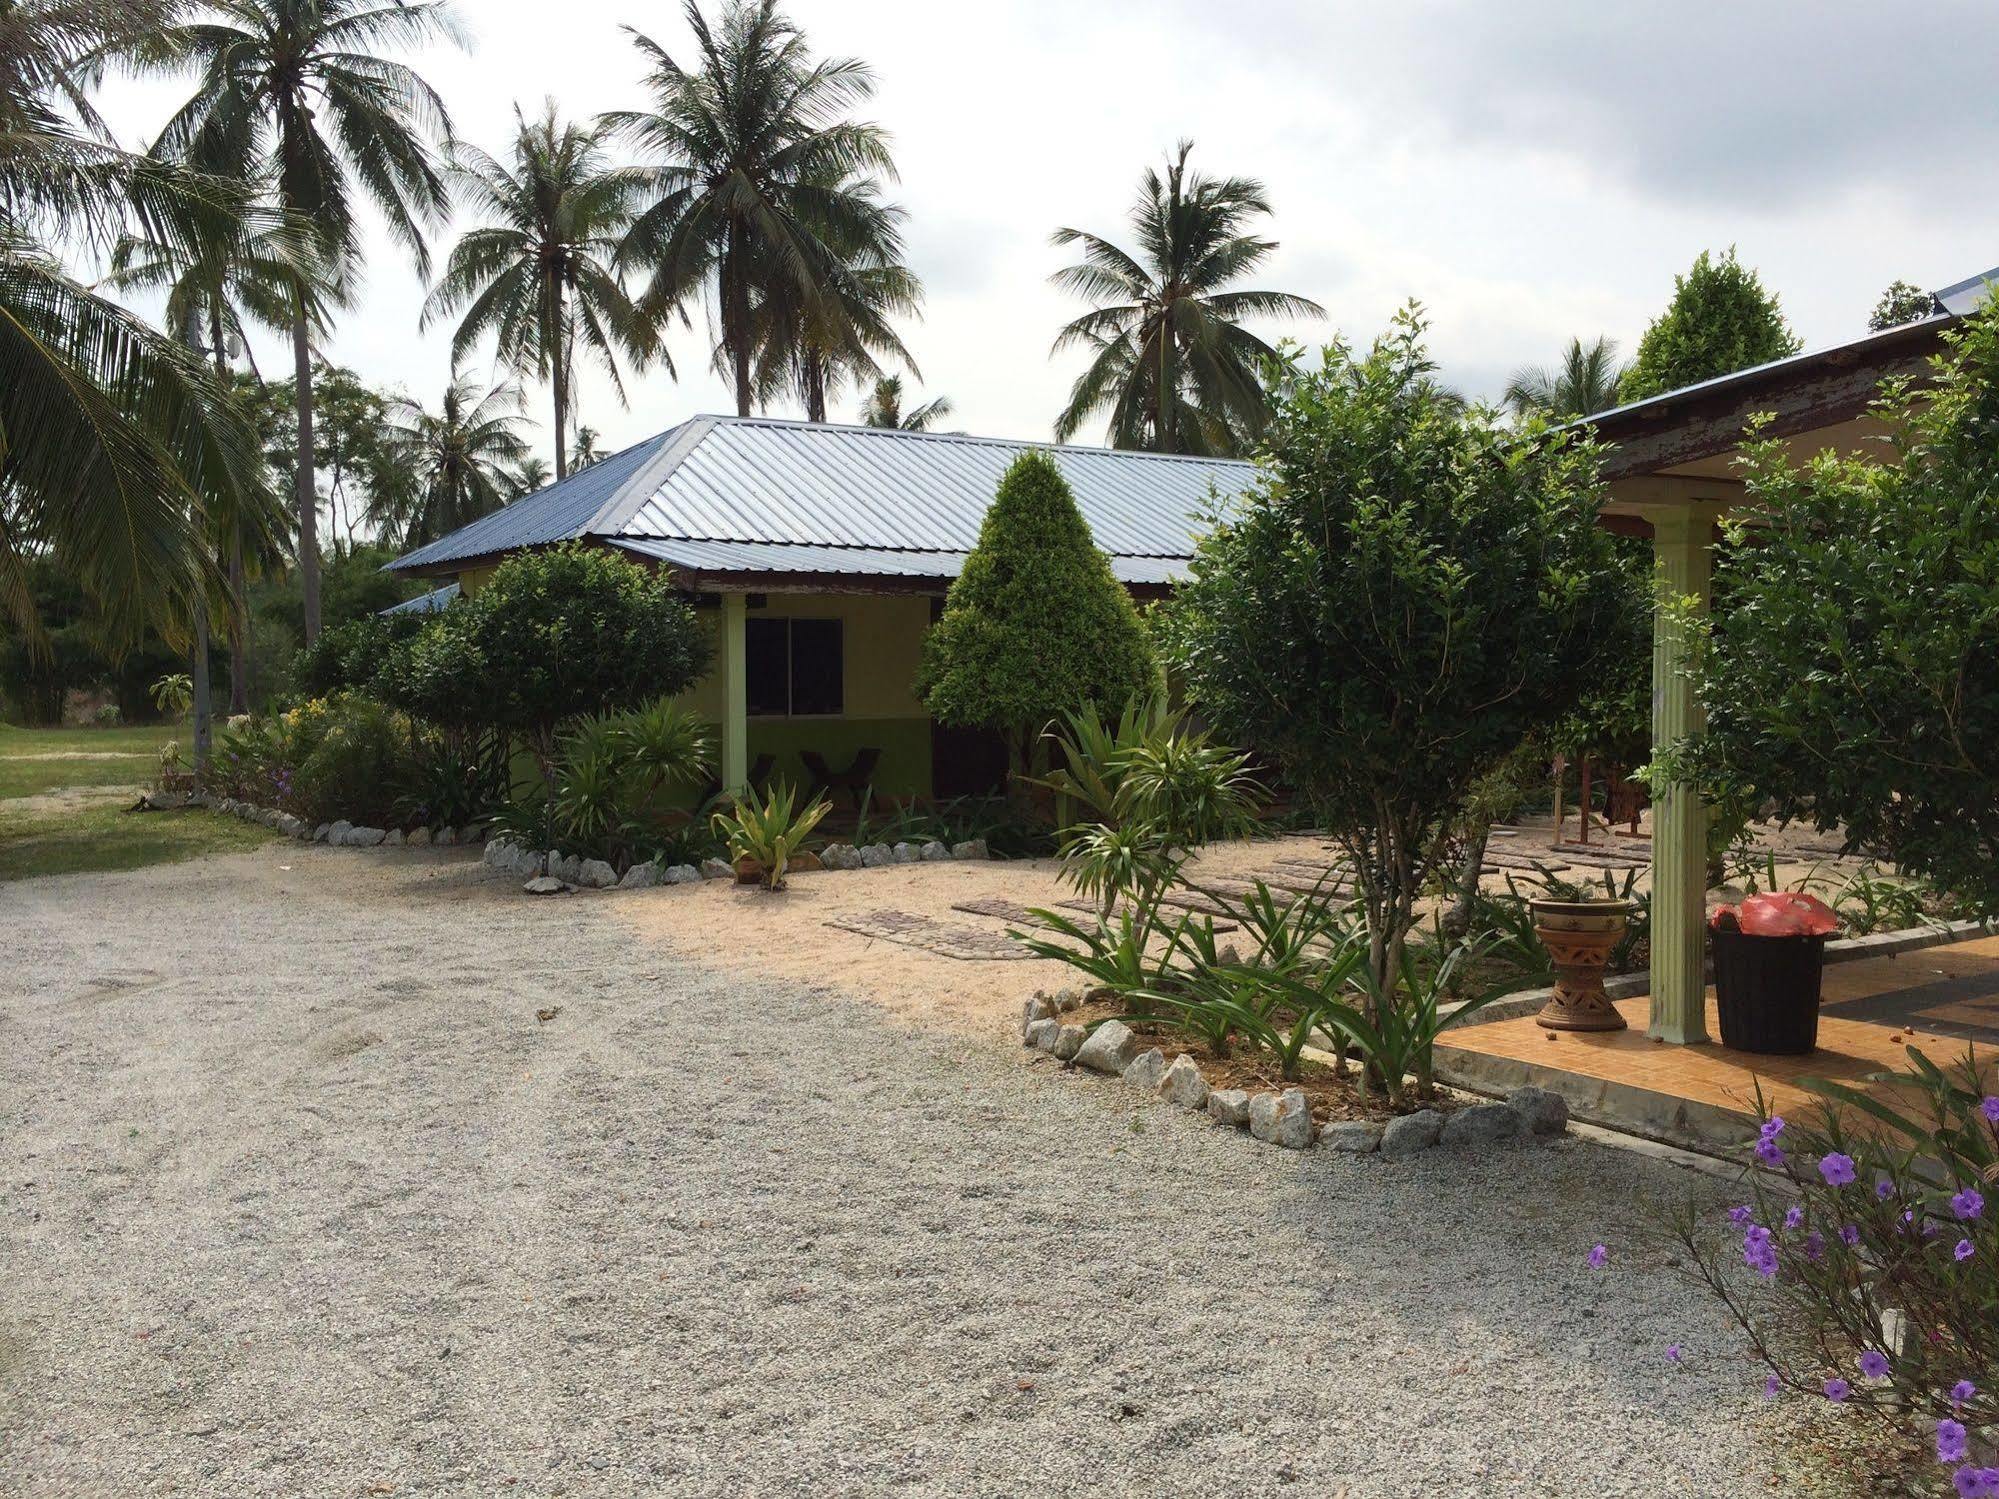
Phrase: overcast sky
(1529, 171)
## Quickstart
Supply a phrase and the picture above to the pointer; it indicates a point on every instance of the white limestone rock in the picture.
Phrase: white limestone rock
(1040, 1034)
(906, 853)
(971, 848)
(365, 837)
(1146, 1069)
(543, 884)
(717, 869)
(1282, 1118)
(681, 874)
(1184, 1085)
(1412, 1132)
(1068, 1041)
(417, 837)
(1541, 1112)
(1228, 1106)
(1109, 1050)
(1481, 1127)
(877, 856)
(640, 877)
(933, 851)
(595, 874)
(1351, 1137)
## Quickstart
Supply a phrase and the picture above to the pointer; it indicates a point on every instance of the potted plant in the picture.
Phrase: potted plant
(1580, 936)
(1769, 962)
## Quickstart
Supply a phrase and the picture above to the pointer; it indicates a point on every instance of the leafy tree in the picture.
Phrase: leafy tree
(1171, 362)
(347, 656)
(539, 273)
(883, 408)
(300, 93)
(758, 184)
(1405, 595)
(1720, 320)
(114, 440)
(1035, 625)
(1901, 303)
(1585, 383)
(554, 636)
(1854, 676)
(586, 451)
(459, 458)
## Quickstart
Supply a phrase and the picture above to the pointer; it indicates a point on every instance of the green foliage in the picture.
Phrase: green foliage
(1902, 302)
(173, 694)
(770, 830)
(1898, 1262)
(1035, 624)
(1407, 593)
(553, 637)
(1854, 678)
(347, 656)
(1720, 320)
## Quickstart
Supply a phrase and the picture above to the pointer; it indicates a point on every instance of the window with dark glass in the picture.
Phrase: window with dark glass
(796, 667)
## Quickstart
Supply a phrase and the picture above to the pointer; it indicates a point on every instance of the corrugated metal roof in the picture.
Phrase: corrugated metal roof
(878, 495)
(1967, 295)
(877, 562)
(561, 512)
(425, 603)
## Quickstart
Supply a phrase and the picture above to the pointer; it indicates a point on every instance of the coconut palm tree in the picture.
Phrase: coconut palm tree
(215, 289)
(1585, 382)
(757, 185)
(301, 93)
(586, 450)
(462, 458)
(114, 439)
(1171, 362)
(538, 275)
(883, 408)
(529, 476)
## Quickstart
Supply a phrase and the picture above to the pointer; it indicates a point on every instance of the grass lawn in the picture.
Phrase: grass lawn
(64, 795)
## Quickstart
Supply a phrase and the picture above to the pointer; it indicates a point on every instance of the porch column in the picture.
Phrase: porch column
(1683, 565)
(735, 696)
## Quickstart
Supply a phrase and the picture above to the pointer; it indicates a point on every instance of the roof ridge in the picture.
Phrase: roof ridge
(860, 429)
(675, 443)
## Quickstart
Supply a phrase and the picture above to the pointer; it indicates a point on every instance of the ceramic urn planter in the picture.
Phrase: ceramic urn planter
(1579, 935)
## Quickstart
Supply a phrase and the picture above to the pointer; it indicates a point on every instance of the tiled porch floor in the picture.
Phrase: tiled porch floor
(1939, 998)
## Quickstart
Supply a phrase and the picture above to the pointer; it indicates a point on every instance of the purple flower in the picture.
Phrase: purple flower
(1771, 1386)
(1837, 1169)
(1976, 1483)
(1964, 1251)
(1768, 1153)
(1597, 1256)
(1794, 1217)
(1674, 1353)
(1772, 1127)
(1849, 1235)
(1962, 1391)
(1756, 1236)
(1990, 1108)
(1741, 1214)
(1814, 1246)
(1968, 1204)
(1836, 1390)
(1874, 1364)
(1951, 1444)
(1884, 1189)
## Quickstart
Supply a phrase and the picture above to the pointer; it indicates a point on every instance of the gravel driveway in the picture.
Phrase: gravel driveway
(301, 1197)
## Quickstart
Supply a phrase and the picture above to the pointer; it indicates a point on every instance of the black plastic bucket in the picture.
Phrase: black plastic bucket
(1767, 991)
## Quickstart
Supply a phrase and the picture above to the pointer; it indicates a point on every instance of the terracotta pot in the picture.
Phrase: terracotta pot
(1579, 936)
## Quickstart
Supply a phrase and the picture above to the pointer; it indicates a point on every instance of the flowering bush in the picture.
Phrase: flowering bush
(1877, 1259)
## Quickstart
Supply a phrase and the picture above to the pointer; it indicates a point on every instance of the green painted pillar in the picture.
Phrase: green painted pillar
(1683, 564)
(735, 696)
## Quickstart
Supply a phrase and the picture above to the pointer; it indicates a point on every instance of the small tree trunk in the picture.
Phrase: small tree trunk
(1457, 920)
(204, 726)
(307, 488)
(239, 632)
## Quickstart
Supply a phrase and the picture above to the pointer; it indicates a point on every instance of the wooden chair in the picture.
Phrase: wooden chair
(760, 770)
(854, 780)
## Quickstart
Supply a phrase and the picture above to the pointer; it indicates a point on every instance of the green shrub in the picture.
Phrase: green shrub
(1720, 320)
(346, 657)
(356, 766)
(770, 830)
(1035, 625)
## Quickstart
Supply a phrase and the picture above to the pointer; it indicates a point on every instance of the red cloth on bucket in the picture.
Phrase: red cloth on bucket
(1782, 913)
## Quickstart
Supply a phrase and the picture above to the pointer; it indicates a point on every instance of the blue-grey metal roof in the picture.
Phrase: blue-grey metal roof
(1967, 295)
(561, 512)
(756, 494)
(425, 603)
(876, 562)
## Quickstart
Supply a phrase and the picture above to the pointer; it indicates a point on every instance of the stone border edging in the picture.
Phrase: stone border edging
(342, 834)
(1283, 1119)
(595, 874)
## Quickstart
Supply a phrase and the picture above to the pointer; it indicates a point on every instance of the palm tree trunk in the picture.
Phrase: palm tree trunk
(308, 490)
(561, 368)
(239, 631)
(736, 318)
(815, 386)
(204, 726)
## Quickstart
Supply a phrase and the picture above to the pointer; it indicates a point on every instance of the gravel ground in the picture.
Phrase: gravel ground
(301, 1197)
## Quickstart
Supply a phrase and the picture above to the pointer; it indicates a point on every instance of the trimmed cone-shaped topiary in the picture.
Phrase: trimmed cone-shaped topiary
(1036, 624)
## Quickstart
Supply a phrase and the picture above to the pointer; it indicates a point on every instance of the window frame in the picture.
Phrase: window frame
(790, 669)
